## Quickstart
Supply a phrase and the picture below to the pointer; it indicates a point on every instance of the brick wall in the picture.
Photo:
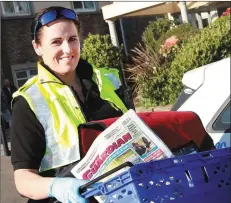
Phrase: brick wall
(92, 23)
(17, 40)
(133, 29)
(5, 65)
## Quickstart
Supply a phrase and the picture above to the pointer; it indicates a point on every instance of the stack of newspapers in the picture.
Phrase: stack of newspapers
(127, 139)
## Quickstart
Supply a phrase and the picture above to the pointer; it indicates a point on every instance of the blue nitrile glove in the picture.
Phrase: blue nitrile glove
(66, 190)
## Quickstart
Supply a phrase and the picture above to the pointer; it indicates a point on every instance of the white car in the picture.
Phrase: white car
(207, 93)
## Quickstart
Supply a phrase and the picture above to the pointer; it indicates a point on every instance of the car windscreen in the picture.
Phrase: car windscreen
(182, 98)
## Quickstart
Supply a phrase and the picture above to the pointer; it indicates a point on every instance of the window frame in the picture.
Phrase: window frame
(84, 10)
(16, 14)
(218, 124)
(20, 67)
(211, 128)
(28, 76)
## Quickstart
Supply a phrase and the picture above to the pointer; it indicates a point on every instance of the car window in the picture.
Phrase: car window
(223, 120)
(182, 98)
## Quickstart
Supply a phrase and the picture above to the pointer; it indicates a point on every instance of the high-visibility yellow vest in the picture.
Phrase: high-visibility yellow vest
(57, 110)
(111, 74)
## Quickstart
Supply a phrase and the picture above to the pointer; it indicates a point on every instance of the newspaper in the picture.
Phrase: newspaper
(127, 139)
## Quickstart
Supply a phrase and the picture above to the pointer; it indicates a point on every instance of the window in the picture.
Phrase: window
(205, 22)
(223, 121)
(15, 8)
(23, 75)
(84, 6)
(205, 19)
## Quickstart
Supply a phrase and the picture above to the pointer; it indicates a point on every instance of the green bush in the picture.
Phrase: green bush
(160, 83)
(149, 76)
(100, 52)
(154, 90)
(144, 64)
(183, 32)
(154, 30)
(213, 43)
(150, 69)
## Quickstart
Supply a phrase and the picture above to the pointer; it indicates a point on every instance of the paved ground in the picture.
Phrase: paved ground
(158, 108)
(8, 193)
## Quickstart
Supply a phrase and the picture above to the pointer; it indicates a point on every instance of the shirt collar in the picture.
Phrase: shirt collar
(84, 70)
(46, 75)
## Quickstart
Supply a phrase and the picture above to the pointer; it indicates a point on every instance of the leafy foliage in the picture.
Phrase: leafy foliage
(154, 30)
(99, 51)
(144, 64)
(227, 12)
(213, 43)
(149, 76)
(158, 80)
(183, 32)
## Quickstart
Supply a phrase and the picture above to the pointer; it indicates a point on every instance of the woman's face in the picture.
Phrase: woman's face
(59, 46)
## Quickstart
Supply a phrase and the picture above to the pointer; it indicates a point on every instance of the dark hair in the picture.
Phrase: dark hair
(38, 33)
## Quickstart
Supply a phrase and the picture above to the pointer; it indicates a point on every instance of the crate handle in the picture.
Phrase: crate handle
(206, 155)
(83, 188)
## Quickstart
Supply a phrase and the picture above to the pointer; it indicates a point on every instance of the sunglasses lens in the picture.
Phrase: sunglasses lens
(48, 17)
(53, 15)
(68, 14)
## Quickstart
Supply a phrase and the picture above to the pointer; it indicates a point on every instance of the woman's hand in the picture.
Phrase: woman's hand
(66, 190)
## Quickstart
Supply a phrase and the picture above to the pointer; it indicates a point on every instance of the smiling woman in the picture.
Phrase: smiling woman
(57, 41)
(49, 107)
(59, 47)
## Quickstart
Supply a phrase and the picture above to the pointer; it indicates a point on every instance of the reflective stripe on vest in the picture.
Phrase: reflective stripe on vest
(114, 80)
(113, 75)
(62, 143)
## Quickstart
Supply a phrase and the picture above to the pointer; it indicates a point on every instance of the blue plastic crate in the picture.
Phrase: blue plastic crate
(202, 177)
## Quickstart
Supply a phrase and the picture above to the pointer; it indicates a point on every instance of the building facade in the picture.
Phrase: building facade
(18, 59)
(18, 62)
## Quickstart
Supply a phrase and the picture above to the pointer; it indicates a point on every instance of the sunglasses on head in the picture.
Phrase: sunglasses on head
(52, 15)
